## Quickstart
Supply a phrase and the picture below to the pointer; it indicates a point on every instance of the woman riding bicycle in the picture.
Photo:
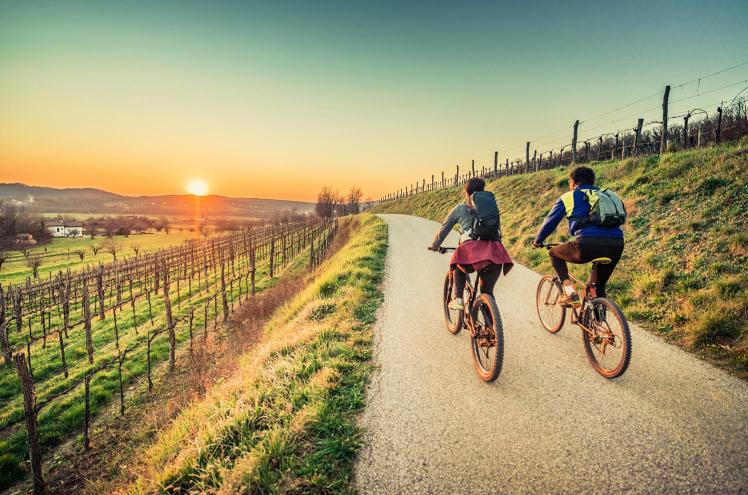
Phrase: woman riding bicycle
(488, 257)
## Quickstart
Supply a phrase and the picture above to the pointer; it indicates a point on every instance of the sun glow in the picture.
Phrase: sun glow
(197, 187)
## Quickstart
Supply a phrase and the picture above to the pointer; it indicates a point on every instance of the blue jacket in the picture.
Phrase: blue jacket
(574, 206)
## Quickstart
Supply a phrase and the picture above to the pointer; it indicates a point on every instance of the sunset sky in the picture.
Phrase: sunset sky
(277, 99)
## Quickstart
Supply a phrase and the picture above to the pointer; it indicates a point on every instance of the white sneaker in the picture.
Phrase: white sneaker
(456, 304)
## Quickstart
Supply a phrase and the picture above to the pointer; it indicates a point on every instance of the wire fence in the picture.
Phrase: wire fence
(627, 133)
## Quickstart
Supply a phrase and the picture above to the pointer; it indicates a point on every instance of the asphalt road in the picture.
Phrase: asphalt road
(549, 424)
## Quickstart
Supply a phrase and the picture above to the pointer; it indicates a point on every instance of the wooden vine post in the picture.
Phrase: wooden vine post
(29, 405)
(169, 320)
(4, 343)
(87, 412)
(87, 324)
(272, 253)
(100, 290)
(224, 302)
(574, 142)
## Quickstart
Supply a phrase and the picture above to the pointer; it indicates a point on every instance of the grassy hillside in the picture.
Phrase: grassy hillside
(285, 421)
(685, 267)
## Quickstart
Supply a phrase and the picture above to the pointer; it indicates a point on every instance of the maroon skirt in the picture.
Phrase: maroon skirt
(479, 254)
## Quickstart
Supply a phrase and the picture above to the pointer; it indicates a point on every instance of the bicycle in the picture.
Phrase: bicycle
(484, 322)
(605, 330)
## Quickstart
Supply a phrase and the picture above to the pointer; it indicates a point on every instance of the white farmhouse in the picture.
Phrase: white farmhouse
(60, 228)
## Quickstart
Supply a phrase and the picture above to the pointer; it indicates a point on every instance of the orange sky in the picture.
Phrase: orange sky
(275, 100)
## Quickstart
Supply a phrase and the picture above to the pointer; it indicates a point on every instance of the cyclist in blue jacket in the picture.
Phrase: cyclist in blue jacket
(590, 241)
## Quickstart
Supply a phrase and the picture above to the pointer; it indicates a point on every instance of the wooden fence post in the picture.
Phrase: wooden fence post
(637, 135)
(718, 133)
(527, 157)
(29, 404)
(615, 149)
(663, 138)
(574, 143)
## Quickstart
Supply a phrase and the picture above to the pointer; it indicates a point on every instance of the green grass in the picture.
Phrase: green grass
(685, 267)
(60, 254)
(285, 422)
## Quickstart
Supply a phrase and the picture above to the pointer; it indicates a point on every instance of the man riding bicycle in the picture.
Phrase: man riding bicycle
(591, 240)
(477, 251)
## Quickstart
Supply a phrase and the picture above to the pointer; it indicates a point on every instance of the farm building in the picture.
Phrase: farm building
(60, 228)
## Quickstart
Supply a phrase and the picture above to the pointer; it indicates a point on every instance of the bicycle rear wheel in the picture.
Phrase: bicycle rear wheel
(551, 314)
(452, 318)
(487, 341)
(609, 349)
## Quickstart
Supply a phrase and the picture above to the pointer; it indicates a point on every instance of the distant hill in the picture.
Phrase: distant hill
(97, 202)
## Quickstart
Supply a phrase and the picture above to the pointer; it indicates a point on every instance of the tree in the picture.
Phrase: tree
(111, 246)
(164, 224)
(327, 202)
(95, 248)
(353, 201)
(110, 226)
(92, 230)
(34, 262)
(204, 230)
(3, 256)
(80, 253)
(136, 249)
(20, 229)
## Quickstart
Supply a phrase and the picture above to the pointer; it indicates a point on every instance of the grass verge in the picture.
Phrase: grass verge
(285, 422)
(684, 271)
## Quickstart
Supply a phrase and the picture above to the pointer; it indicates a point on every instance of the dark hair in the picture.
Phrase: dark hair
(583, 175)
(474, 184)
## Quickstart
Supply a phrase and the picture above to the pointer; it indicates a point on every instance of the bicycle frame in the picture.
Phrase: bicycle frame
(473, 291)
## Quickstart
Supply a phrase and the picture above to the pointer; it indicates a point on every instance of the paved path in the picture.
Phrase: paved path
(549, 424)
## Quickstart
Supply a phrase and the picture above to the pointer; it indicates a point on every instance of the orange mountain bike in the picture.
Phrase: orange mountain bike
(605, 330)
(484, 322)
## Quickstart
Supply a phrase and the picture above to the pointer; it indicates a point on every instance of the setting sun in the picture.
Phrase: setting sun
(197, 187)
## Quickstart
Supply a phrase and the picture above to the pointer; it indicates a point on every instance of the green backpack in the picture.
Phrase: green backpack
(606, 208)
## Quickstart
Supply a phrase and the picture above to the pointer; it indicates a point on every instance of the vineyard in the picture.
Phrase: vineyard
(72, 343)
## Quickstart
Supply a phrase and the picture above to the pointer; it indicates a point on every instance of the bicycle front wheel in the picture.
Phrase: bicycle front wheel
(453, 318)
(551, 314)
(609, 347)
(487, 341)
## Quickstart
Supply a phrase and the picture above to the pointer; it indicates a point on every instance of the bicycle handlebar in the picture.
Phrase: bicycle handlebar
(443, 250)
(548, 245)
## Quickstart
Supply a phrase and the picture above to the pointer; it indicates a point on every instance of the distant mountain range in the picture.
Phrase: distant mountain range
(98, 202)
